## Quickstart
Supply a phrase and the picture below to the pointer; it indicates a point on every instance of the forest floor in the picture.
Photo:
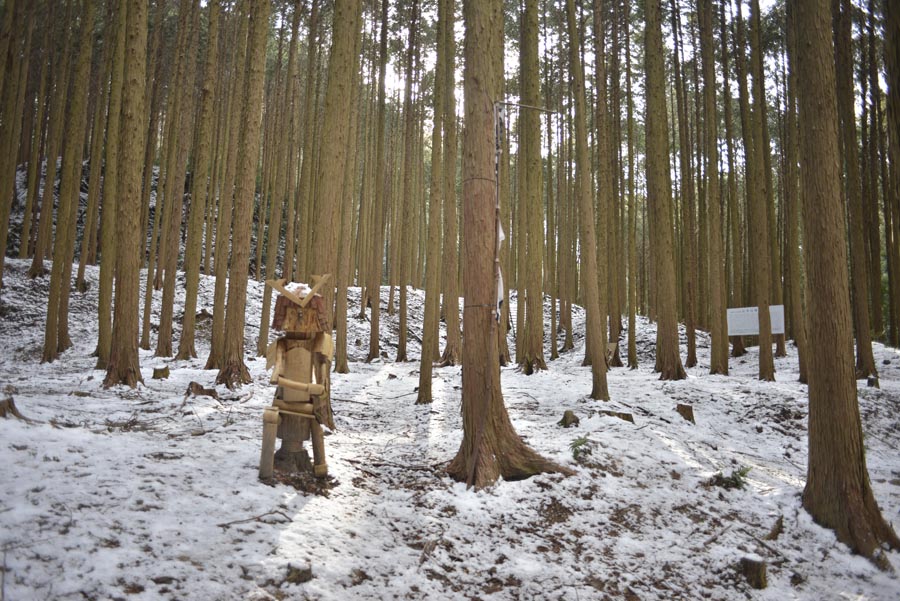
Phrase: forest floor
(153, 494)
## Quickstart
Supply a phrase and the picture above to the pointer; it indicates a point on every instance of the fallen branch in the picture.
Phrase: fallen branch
(349, 401)
(256, 518)
(715, 537)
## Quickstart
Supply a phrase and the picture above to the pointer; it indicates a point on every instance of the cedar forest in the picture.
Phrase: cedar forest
(656, 161)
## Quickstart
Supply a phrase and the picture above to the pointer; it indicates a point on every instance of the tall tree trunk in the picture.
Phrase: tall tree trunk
(227, 191)
(530, 355)
(433, 272)
(124, 366)
(718, 363)
(111, 193)
(632, 209)
(404, 222)
(659, 197)
(200, 187)
(61, 76)
(736, 262)
(690, 282)
(376, 255)
(892, 185)
(837, 494)
(596, 330)
(232, 370)
(450, 267)
(792, 201)
(11, 127)
(490, 447)
(56, 335)
(175, 177)
(348, 194)
(759, 230)
(342, 68)
(843, 58)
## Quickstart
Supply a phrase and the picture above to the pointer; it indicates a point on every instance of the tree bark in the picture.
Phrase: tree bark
(659, 198)
(837, 494)
(233, 371)
(124, 363)
(490, 447)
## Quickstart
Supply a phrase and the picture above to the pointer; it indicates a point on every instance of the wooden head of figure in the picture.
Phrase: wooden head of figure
(297, 315)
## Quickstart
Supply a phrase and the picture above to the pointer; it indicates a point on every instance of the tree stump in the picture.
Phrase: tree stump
(569, 419)
(161, 373)
(754, 570)
(686, 411)
(8, 408)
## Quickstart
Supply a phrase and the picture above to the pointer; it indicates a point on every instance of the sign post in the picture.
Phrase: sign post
(744, 321)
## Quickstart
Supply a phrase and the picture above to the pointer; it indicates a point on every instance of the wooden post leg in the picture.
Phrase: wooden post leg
(318, 440)
(270, 429)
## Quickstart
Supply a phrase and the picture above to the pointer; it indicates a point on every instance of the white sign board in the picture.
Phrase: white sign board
(744, 321)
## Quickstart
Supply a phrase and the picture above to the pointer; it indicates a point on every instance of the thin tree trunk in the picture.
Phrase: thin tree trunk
(718, 363)
(596, 330)
(199, 188)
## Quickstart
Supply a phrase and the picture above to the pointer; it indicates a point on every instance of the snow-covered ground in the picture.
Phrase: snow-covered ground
(152, 494)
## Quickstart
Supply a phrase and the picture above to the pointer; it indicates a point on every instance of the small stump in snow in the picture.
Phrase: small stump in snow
(686, 411)
(8, 409)
(569, 419)
(161, 372)
(754, 570)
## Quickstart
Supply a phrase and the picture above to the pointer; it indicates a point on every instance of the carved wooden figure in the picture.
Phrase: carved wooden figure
(300, 360)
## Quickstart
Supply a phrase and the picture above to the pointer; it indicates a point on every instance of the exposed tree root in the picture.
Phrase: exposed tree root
(233, 374)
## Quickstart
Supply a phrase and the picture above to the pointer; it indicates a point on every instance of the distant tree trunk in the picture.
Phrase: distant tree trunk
(233, 371)
(551, 237)
(632, 209)
(200, 187)
(181, 138)
(718, 363)
(56, 334)
(736, 261)
(11, 110)
(792, 200)
(376, 250)
(759, 230)
(342, 68)
(690, 281)
(605, 272)
(404, 223)
(226, 196)
(530, 355)
(124, 366)
(892, 187)
(450, 267)
(6, 27)
(98, 131)
(659, 197)
(490, 447)
(56, 119)
(865, 361)
(433, 267)
(596, 328)
(26, 248)
(111, 193)
(837, 494)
